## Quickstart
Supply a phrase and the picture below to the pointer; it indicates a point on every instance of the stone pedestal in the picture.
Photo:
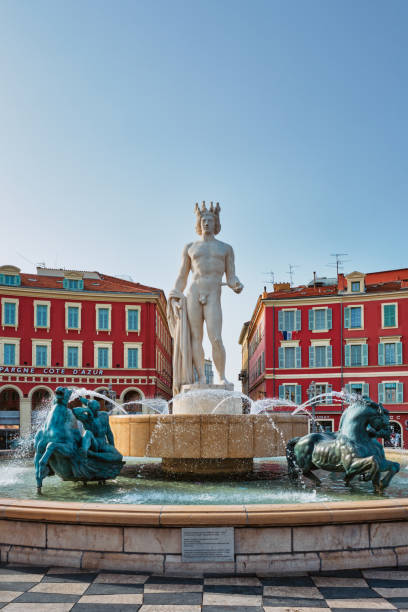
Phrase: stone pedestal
(200, 398)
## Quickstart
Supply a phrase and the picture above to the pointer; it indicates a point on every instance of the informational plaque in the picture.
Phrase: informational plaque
(207, 543)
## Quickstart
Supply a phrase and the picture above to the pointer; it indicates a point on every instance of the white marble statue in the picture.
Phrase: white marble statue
(208, 260)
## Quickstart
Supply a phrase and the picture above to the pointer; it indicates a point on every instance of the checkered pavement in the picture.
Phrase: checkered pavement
(39, 589)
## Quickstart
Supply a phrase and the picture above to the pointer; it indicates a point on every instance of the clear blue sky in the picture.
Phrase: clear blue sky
(115, 117)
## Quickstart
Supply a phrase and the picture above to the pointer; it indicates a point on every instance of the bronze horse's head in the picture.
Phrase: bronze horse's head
(379, 422)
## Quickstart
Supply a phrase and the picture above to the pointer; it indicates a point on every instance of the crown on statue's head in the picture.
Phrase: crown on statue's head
(212, 210)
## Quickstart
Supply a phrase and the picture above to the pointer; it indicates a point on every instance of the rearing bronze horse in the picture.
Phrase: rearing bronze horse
(354, 449)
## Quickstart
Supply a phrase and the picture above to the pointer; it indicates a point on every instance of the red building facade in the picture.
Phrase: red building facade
(78, 329)
(348, 333)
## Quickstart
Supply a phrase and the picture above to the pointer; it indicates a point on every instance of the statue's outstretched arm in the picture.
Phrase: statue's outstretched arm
(232, 280)
(185, 268)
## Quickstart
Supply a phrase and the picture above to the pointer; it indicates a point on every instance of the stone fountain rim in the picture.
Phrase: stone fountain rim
(248, 515)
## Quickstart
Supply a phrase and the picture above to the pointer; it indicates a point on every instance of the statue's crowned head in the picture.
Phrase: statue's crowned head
(213, 213)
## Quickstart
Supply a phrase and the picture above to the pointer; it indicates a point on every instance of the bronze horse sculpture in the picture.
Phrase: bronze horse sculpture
(354, 449)
(62, 447)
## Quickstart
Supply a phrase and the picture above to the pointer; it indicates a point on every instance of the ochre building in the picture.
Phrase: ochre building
(349, 333)
(78, 329)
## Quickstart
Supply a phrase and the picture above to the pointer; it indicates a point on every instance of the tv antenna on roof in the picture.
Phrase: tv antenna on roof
(339, 261)
(292, 272)
(272, 277)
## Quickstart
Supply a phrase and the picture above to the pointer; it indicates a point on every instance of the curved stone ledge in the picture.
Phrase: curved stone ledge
(273, 515)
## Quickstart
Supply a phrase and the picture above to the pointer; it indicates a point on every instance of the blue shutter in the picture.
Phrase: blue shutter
(281, 391)
(298, 356)
(347, 388)
(65, 283)
(347, 355)
(298, 394)
(329, 318)
(329, 389)
(366, 389)
(364, 354)
(281, 357)
(329, 356)
(400, 393)
(381, 357)
(311, 357)
(398, 353)
(381, 393)
(347, 317)
(280, 320)
(80, 284)
(311, 319)
(298, 324)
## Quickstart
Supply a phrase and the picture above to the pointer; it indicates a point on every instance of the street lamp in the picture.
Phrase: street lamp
(311, 393)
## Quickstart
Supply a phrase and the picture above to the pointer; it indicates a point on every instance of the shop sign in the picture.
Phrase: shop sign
(64, 371)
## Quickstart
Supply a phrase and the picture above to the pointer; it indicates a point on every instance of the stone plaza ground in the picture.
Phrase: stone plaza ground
(25, 588)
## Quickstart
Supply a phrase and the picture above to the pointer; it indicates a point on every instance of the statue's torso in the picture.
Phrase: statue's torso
(208, 260)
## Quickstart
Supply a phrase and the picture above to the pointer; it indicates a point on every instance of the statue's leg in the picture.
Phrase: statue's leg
(392, 468)
(196, 322)
(359, 466)
(213, 320)
(88, 440)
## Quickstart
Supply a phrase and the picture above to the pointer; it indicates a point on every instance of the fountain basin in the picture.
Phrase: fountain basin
(206, 444)
(268, 539)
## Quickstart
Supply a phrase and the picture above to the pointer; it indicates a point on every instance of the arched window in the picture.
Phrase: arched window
(9, 416)
(132, 396)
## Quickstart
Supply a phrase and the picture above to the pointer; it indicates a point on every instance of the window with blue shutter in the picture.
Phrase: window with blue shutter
(355, 317)
(329, 389)
(381, 354)
(289, 357)
(311, 356)
(103, 357)
(390, 393)
(355, 355)
(398, 347)
(9, 313)
(347, 356)
(298, 357)
(281, 391)
(9, 354)
(347, 317)
(12, 280)
(72, 354)
(355, 286)
(73, 317)
(390, 315)
(280, 320)
(103, 319)
(320, 318)
(133, 320)
(364, 354)
(390, 354)
(366, 389)
(329, 356)
(329, 315)
(41, 355)
(133, 358)
(298, 394)
(281, 354)
(320, 356)
(298, 319)
(41, 315)
(311, 319)
(400, 393)
(73, 284)
(381, 393)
